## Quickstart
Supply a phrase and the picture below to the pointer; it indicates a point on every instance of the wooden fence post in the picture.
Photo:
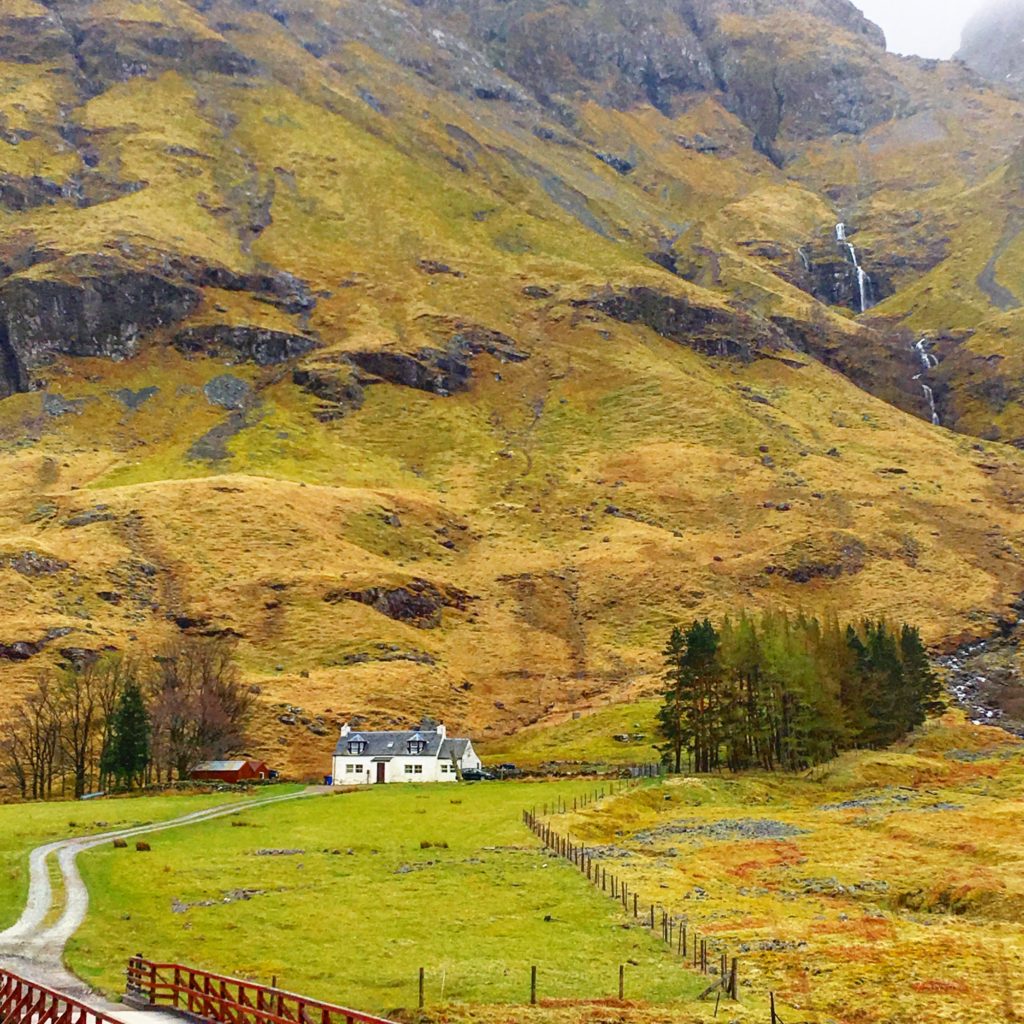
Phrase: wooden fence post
(622, 982)
(422, 987)
(734, 979)
(533, 986)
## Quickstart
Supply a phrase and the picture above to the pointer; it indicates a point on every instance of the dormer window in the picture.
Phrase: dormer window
(417, 744)
(356, 745)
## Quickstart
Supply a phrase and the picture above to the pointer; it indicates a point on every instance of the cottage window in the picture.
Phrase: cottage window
(418, 769)
(408, 769)
(356, 746)
(359, 767)
(417, 744)
(350, 768)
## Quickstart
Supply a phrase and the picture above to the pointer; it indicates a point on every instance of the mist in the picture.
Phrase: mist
(928, 28)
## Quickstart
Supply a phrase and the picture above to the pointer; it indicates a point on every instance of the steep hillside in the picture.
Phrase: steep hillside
(445, 354)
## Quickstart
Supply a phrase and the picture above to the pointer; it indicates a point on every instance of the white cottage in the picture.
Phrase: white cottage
(426, 754)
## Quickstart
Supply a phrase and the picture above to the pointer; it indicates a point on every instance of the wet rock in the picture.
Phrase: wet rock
(244, 344)
(229, 392)
(419, 602)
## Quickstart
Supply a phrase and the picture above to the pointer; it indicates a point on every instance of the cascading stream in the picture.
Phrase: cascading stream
(863, 280)
(928, 363)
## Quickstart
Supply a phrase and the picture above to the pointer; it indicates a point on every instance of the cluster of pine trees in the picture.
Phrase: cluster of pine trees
(777, 692)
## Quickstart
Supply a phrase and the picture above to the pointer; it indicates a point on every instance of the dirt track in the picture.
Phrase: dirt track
(35, 950)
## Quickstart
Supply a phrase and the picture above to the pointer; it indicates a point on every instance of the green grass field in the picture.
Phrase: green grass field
(26, 826)
(353, 917)
(588, 739)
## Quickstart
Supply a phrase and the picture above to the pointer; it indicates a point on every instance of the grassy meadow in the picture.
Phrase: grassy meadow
(386, 881)
(882, 888)
(23, 827)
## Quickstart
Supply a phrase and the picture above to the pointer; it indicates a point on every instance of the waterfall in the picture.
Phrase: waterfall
(804, 258)
(928, 362)
(863, 280)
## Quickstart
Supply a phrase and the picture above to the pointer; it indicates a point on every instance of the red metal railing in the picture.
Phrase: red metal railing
(25, 1002)
(225, 1000)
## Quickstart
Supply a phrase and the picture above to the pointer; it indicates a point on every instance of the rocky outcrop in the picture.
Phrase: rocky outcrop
(34, 563)
(825, 557)
(419, 602)
(440, 371)
(97, 308)
(708, 330)
(108, 51)
(805, 68)
(244, 344)
(229, 392)
(19, 193)
(267, 284)
(338, 392)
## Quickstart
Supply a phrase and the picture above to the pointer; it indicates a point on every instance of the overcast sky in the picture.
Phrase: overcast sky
(930, 28)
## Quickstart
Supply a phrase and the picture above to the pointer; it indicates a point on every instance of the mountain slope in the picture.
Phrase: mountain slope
(446, 354)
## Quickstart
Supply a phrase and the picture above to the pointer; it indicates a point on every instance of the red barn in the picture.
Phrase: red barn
(231, 771)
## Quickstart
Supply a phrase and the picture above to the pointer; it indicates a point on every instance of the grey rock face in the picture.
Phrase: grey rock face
(102, 309)
(244, 344)
(228, 392)
(713, 332)
(440, 371)
(626, 52)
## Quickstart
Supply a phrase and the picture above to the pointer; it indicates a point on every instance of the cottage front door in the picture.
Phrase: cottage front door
(380, 771)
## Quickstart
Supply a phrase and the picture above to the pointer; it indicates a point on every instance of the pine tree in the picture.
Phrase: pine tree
(790, 693)
(126, 755)
(672, 716)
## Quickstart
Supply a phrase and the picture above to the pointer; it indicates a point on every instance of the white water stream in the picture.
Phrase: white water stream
(863, 280)
(928, 362)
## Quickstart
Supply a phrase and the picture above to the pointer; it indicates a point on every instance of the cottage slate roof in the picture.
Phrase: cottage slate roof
(453, 748)
(396, 744)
